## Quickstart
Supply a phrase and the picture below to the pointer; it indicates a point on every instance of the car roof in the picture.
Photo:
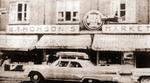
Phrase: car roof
(85, 63)
(80, 55)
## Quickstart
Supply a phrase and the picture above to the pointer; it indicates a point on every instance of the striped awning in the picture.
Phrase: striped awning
(17, 42)
(64, 42)
(121, 42)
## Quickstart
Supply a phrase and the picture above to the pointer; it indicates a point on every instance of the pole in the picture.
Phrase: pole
(44, 56)
(97, 4)
(44, 13)
(0, 16)
(97, 58)
(91, 4)
(148, 12)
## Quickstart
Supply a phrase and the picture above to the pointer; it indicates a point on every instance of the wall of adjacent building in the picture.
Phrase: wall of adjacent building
(4, 17)
(143, 11)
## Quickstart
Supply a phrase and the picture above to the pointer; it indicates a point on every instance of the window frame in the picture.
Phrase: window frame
(80, 66)
(16, 12)
(23, 12)
(123, 18)
(130, 10)
(64, 10)
(58, 64)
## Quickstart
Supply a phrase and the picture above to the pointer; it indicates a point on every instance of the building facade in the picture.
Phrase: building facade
(112, 32)
(51, 12)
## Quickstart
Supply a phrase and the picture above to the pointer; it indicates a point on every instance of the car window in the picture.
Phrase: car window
(75, 65)
(63, 63)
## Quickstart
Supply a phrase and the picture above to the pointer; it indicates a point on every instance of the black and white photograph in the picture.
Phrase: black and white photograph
(74, 41)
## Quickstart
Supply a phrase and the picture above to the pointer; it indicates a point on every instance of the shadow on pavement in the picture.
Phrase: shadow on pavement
(49, 81)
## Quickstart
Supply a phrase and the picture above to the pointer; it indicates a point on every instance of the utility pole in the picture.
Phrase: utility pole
(0, 15)
(44, 13)
(97, 4)
(91, 5)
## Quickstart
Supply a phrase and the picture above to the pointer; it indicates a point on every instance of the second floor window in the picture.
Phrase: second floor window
(22, 12)
(125, 10)
(122, 11)
(19, 13)
(68, 11)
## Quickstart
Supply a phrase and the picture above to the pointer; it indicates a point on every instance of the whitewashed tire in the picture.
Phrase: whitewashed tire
(90, 81)
(36, 78)
(145, 80)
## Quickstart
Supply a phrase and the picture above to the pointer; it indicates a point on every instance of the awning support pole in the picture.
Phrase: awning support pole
(44, 55)
(97, 58)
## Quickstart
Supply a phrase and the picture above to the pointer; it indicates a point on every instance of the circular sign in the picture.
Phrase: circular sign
(93, 20)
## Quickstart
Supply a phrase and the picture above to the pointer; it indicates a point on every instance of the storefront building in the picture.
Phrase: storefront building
(112, 32)
(51, 24)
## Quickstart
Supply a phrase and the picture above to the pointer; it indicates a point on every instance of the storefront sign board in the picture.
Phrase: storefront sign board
(42, 29)
(126, 28)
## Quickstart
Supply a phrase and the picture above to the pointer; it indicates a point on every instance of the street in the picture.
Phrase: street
(27, 81)
(18, 77)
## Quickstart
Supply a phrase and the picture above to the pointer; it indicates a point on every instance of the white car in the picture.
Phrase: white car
(73, 69)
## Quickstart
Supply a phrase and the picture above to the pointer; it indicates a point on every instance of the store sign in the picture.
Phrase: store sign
(42, 29)
(92, 20)
(133, 28)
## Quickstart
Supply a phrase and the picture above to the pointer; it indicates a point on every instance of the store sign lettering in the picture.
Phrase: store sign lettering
(126, 28)
(42, 28)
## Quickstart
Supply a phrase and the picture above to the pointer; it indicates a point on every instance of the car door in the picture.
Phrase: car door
(75, 71)
(61, 72)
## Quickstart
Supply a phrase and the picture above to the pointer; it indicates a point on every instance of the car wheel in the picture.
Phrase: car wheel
(145, 80)
(91, 81)
(36, 78)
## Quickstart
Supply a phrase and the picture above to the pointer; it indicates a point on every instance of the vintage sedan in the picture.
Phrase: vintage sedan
(75, 70)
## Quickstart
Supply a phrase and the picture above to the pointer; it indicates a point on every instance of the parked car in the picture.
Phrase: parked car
(141, 75)
(72, 69)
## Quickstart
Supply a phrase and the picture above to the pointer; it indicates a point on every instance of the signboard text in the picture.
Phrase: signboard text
(43, 29)
(134, 28)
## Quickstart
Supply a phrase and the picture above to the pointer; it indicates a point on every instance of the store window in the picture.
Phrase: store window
(125, 10)
(19, 13)
(109, 58)
(68, 11)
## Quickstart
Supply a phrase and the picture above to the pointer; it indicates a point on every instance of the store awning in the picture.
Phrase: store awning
(17, 42)
(64, 42)
(121, 42)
